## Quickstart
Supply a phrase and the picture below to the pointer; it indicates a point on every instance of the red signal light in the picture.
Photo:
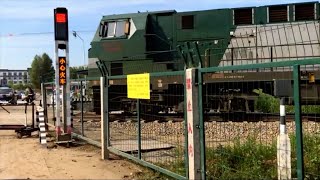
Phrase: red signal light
(61, 18)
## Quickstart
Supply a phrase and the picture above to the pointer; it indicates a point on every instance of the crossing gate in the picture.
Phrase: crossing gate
(18, 117)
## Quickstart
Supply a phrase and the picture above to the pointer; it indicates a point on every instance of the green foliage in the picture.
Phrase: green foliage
(41, 70)
(311, 149)
(248, 160)
(20, 86)
(251, 160)
(73, 72)
(10, 84)
(266, 103)
(269, 104)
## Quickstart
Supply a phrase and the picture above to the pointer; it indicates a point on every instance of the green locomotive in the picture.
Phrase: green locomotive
(147, 42)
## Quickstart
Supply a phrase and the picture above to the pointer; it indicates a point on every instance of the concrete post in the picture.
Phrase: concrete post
(193, 124)
(104, 119)
(283, 146)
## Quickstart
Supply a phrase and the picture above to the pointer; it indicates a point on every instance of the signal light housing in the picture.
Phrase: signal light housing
(61, 31)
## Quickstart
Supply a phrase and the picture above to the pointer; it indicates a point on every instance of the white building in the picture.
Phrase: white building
(15, 76)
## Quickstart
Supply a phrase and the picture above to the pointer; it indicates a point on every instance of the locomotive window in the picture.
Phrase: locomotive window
(187, 22)
(304, 12)
(103, 29)
(278, 13)
(242, 16)
(114, 29)
(111, 29)
(120, 29)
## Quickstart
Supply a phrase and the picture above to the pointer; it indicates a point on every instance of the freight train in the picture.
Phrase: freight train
(147, 42)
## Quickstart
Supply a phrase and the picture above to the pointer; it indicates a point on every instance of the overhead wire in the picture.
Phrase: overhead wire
(41, 33)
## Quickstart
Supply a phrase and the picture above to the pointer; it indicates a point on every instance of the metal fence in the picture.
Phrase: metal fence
(245, 113)
(151, 132)
(240, 119)
(86, 113)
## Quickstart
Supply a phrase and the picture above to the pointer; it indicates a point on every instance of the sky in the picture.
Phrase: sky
(26, 26)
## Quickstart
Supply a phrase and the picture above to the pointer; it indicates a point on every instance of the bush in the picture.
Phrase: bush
(266, 103)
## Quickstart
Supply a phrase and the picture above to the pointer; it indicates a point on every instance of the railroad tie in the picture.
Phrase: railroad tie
(42, 127)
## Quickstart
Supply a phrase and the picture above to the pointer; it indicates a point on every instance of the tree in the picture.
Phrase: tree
(41, 70)
(10, 84)
(73, 72)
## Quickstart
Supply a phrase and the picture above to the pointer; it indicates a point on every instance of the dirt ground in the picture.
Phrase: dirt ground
(26, 158)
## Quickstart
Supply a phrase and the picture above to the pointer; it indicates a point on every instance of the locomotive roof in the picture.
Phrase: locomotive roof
(130, 15)
(139, 14)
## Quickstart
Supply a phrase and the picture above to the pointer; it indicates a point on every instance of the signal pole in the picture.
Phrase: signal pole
(62, 76)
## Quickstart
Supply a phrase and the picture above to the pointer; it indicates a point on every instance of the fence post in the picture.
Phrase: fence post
(202, 129)
(283, 146)
(44, 103)
(81, 95)
(193, 124)
(139, 128)
(104, 118)
(297, 110)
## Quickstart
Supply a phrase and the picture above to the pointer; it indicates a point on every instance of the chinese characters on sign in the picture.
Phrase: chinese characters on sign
(138, 86)
(62, 71)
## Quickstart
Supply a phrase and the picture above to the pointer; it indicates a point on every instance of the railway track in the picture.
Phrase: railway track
(208, 117)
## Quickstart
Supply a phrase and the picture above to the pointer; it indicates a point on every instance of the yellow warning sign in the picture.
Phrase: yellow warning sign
(138, 86)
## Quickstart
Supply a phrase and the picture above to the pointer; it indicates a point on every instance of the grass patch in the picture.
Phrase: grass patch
(247, 160)
(311, 149)
(250, 160)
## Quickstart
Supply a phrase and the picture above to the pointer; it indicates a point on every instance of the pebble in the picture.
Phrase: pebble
(214, 131)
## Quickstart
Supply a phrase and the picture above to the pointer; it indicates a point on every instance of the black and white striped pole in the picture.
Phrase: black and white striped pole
(283, 146)
(282, 116)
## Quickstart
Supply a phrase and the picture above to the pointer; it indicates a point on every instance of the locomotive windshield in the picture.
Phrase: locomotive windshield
(114, 29)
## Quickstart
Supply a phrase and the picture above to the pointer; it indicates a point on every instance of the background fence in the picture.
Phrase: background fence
(86, 112)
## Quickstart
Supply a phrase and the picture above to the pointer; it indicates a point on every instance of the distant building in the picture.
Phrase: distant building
(15, 76)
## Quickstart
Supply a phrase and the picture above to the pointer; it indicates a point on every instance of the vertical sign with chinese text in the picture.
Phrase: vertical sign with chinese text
(62, 71)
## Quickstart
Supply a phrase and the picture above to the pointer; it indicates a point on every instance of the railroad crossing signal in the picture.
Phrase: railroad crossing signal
(61, 24)
(62, 78)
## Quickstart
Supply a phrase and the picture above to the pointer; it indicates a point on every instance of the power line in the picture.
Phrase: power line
(41, 33)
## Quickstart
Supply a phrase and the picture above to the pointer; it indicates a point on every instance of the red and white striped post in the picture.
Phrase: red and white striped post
(193, 124)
